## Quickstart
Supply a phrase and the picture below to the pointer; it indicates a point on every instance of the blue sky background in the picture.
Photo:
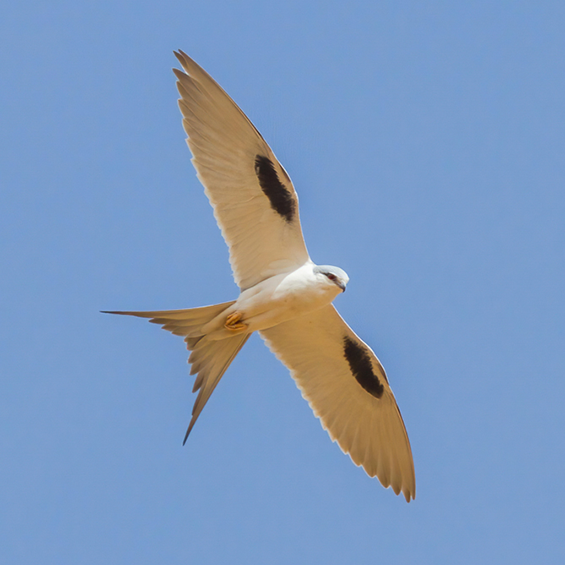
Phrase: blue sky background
(426, 141)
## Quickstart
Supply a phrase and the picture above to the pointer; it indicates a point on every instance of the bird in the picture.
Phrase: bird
(284, 295)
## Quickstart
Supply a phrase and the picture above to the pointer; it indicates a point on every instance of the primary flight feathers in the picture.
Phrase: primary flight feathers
(242, 179)
(284, 295)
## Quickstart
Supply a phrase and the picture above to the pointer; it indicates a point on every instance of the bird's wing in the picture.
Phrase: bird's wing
(347, 388)
(254, 202)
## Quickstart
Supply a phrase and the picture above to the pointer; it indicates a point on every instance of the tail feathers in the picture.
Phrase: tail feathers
(186, 323)
(209, 358)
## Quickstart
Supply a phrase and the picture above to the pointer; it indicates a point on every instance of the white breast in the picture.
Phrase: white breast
(279, 299)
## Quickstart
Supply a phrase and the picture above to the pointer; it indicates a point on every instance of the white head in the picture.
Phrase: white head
(332, 275)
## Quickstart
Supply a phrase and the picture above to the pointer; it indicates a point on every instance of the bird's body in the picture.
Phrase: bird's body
(284, 295)
(275, 300)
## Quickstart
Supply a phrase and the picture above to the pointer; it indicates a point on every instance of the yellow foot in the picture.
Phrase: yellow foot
(233, 322)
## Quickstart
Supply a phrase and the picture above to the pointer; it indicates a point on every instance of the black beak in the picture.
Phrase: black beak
(341, 285)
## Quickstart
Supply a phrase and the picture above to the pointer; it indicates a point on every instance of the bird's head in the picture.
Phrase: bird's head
(332, 275)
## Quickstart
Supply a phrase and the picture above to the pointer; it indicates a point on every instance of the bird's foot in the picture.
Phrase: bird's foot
(233, 322)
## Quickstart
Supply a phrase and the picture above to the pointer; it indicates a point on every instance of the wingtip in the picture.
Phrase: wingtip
(182, 57)
(178, 73)
(409, 495)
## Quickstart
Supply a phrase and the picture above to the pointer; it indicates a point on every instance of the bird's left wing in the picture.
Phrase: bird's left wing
(347, 388)
(254, 202)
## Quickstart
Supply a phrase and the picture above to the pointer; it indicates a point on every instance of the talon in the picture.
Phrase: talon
(233, 322)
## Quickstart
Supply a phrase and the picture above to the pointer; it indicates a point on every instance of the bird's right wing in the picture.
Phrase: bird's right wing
(347, 388)
(254, 202)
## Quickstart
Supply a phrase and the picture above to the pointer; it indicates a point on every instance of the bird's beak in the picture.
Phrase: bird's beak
(341, 285)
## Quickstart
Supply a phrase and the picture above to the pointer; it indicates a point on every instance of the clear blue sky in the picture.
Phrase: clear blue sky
(426, 141)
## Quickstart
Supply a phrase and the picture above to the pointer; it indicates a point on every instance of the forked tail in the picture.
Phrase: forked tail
(209, 358)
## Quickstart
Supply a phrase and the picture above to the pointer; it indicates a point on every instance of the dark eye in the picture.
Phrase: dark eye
(331, 276)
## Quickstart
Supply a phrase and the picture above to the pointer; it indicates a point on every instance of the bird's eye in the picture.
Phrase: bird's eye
(331, 276)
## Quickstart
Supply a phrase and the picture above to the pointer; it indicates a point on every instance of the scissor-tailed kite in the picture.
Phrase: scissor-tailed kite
(284, 295)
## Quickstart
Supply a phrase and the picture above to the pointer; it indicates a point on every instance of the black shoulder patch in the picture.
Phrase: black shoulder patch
(282, 201)
(360, 364)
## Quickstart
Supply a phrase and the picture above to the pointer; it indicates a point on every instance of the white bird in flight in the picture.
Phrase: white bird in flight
(284, 295)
